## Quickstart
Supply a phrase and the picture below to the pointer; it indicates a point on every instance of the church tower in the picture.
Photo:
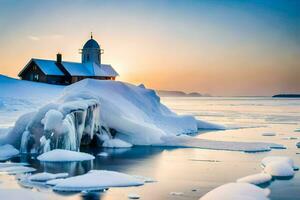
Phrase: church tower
(91, 52)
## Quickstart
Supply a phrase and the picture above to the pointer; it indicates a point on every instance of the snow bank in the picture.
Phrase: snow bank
(232, 191)
(7, 151)
(256, 179)
(61, 155)
(96, 180)
(45, 176)
(279, 166)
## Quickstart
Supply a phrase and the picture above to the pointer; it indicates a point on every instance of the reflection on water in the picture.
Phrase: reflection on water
(196, 171)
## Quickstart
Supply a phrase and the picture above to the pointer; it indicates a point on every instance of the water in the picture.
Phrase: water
(186, 169)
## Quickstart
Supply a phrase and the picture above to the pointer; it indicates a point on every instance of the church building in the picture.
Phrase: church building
(63, 73)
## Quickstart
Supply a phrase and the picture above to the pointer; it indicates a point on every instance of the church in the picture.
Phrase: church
(61, 72)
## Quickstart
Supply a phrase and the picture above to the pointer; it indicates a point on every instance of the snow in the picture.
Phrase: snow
(231, 191)
(54, 181)
(256, 179)
(7, 151)
(279, 166)
(45, 176)
(17, 169)
(49, 67)
(116, 143)
(97, 180)
(11, 164)
(61, 155)
(279, 169)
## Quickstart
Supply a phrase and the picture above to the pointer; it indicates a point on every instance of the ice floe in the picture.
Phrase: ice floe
(45, 176)
(102, 154)
(279, 166)
(133, 196)
(298, 144)
(232, 191)
(7, 151)
(17, 169)
(269, 134)
(97, 180)
(61, 155)
(256, 179)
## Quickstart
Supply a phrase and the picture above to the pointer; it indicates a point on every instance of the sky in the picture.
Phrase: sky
(220, 47)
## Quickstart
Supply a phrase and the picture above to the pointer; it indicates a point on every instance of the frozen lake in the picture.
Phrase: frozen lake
(192, 172)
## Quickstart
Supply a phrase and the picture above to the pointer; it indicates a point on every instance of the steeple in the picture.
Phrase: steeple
(91, 52)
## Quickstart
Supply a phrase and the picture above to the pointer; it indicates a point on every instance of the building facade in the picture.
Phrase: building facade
(63, 73)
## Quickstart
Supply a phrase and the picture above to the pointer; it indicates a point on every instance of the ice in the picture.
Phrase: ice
(256, 179)
(17, 194)
(279, 169)
(176, 193)
(279, 166)
(61, 155)
(269, 134)
(103, 154)
(298, 144)
(237, 191)
(282, 159)
(17, 169)
(97, 180)
(11, 164)
(133, 196)
(45, 176)
(116, 143)
(7, 151)
(54, 181)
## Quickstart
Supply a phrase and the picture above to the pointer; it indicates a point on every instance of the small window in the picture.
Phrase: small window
(36, 77)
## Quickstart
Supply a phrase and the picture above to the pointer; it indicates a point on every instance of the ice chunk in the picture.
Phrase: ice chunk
(176, 193)
(283, 159)
(103, 154)
(133, 196)
(17, 169)
(256, 179)
(61, 155)
(54, 181)
(232, 191)
(298, 145)
(7, 151)
(269, 134)
(97, 180)
(116, 143)
(45, 176)
(279, 169)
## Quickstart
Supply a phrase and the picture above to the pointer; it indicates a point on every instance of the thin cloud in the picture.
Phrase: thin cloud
(47, 37)
(34, 38)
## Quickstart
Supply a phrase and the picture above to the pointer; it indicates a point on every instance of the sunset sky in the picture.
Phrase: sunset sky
(224, 47)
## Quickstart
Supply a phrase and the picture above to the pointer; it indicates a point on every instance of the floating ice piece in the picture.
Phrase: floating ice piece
(282, 159)
(61, 155)
(176, 193)
(97, 180)
(290, 138)
(116, 143)
(54, 181)
(17, 194)
(45, 176)
(268, 134)
(133, 196)
(103, 154)
(232, 191)
(279, 169)
(256, 179)
(298, 145)
(7, 151)
(11, 164)
(17, 169)
(188, 141)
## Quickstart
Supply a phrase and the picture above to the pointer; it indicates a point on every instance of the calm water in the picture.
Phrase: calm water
(185, 169)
